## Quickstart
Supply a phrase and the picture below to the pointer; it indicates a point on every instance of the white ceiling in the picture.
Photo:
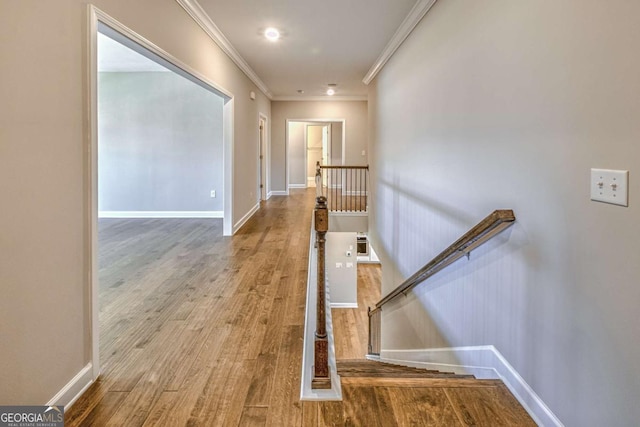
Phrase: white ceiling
(328, 41)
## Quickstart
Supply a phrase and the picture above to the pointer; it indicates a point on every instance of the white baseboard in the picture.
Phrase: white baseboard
(297, 186)
(161, 214)
(349, 213)
(269, 194)
(74, 388)
(344, 305)
(245, 218)
(279, 193)
(485, 362)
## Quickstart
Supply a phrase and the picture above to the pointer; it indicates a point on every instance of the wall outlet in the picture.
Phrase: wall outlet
(213, 193)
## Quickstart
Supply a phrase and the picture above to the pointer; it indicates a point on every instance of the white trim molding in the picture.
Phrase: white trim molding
(485, 362)
(74, 388)
(334, 98)
(297, 185)
(193, 8)
(413, 18)
(278, 193)
(344, 305)
(161, 214)
(246, 218)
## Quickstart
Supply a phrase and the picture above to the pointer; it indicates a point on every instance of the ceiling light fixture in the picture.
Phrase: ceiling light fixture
(272, 34)
(330, 92)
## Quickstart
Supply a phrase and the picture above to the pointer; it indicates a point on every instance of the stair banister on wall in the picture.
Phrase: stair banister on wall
(489, 227)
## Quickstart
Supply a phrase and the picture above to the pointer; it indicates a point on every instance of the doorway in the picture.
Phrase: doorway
(263, 160)
(309, 141)
(318, 143)
(100, 24)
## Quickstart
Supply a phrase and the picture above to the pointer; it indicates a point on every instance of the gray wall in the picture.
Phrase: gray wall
(45, 316)
(336, 143)
(354, 112)
(503, 104)
(159, 143)
(297, 153)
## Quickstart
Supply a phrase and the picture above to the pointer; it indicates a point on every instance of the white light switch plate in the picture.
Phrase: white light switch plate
(610, 186)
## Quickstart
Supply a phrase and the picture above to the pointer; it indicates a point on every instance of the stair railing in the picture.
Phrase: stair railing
(321, 374)
(345, 187)
(492, 225)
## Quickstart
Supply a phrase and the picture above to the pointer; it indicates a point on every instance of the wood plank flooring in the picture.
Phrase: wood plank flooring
(203, 330)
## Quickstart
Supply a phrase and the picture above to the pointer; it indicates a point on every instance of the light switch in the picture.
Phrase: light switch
(610, 186)
(338, 265)
(349, 265)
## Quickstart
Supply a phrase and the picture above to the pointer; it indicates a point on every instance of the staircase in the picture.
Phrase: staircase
(383, 394)
(358, 368)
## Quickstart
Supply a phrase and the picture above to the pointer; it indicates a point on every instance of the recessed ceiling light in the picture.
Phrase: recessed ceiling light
(330, 92)
(300, 91)
(272, 34)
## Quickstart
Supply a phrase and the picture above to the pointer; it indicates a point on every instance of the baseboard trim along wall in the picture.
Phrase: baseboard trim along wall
(74, 388)
(297, 186)
(161, 214)
(485, 362)
(344, 305)
(279, 193)
(245, 218)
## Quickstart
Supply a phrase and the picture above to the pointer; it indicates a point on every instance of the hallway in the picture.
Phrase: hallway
(205, 329)
(199, 329)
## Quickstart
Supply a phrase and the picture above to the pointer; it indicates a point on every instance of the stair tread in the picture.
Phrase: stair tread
(355, 368)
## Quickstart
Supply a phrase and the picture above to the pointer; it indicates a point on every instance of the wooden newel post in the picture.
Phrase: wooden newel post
(321, 376)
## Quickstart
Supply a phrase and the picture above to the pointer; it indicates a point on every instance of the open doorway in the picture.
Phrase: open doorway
(309, 141)
(263, 159)
(318, 142)
(147, 167)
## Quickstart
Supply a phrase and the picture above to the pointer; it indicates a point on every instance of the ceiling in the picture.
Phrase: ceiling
(334, 41)
(322, 42)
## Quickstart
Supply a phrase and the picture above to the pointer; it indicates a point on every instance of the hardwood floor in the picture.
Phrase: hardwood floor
(203, 330)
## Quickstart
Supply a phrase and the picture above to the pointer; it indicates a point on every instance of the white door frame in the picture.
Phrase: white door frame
(96, 18)
(263, 164)
(286, 139)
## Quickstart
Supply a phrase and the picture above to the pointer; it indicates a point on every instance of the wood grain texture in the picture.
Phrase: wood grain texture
(198, 329)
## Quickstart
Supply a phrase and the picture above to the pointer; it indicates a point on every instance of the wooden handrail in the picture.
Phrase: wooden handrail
(493, 224)
(343, 167)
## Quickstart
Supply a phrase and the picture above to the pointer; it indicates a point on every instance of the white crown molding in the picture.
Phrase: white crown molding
(200, 16)
(321, 98)
(413, 18)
